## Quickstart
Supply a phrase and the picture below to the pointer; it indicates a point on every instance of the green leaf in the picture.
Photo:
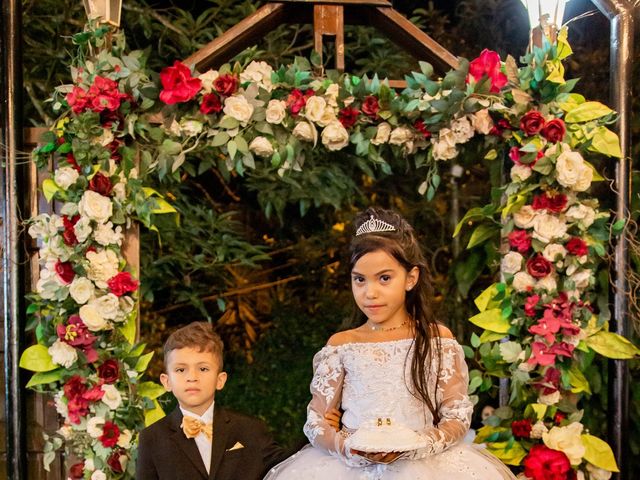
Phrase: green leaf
(539, 409)
(220, 138)
(163, 206)
(475, 340)
(488, 336)
(232, 147)
(578, 381)
(598, 452)
(606, 142)
(510, 453)
(616, 228)
(587, 111)
(612, 345)
(482, 300)
(49, 189)
(128, 329)
(143, 362)
(37, 359)
(475, 213)
(482, 233)
(150, 390)
(170, 147)
(45, 377)
(491, 320)
(154, 414)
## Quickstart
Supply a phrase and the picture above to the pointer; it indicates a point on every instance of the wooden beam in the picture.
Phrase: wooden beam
(376, 3)
(329, 20)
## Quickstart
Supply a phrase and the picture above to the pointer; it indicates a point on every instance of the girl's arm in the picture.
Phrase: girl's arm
(326, 391)
(454, 406)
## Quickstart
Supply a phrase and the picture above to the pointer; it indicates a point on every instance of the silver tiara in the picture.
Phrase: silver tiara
(375, 225)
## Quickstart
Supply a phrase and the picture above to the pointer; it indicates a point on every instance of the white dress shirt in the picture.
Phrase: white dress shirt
(204, 445)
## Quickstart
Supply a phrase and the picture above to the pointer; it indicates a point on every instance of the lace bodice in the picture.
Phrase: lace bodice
(370, 380)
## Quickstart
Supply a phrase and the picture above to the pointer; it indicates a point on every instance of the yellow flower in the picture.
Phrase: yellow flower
(339, 227)
(568, 440)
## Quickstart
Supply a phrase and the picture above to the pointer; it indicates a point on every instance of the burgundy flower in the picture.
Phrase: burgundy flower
(76, 471)
(554, 130)
(114, 148)
(532, 122)
(370, 106)
(553, 203)
(521, 428)
(110, 434)
(551, 381)
(226, 84)
(348, 116)
(76, 334)
(211, 104)
(530, 305)
(109, 371)
(101, 184)
(65, 272)
(499, 126)
(539, 267)
(178, 85)
(422, 128)
(488, 63)
(543, 463)
(576, 246)
(69, 234)
(520, 240)
(71, 160)
(122, 283)
(79, 396)
(117, 460)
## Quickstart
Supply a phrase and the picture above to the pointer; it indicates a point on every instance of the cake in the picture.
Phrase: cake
(384, 435)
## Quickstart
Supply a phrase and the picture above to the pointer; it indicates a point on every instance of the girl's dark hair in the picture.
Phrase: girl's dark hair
(402, 245)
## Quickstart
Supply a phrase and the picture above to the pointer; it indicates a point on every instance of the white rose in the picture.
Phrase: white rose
(81, 289)
(95, 426)
(512, 262)
(95, 206)
(314, 109)
(331, 93)
(258, 72)
(572, 172)
(523, 282)
(239, 108)
(583, 214)
(98, 475)
(191, 127)
(111, 397)
(548, 228)
(400, 135)
(306, 132)
(105, 234)
(102, 266)
(519, 173)
(550, 399)
(382, 134)
(462, 130)
(510, 351)
(525, 217)
(65, 177)
(82, 229)
(106, 306)
(482, 121)
(207, 79)
(443, 149)
(596, 473)
(568, 440)
(538, 429)
(91, 318)
(554, 252)
(335, 136)
(63, 354)
(276, 111)
(581, 279)
(548, 283)
(124, 440)
(261, 146)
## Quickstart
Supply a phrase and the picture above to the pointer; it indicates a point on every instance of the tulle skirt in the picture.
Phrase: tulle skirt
(461, 462)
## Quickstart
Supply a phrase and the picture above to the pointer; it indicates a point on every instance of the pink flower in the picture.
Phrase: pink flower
(530, 305)
(520, 240)
(178, 85)
(541, 355)
(78, 99)
(546, 327)
(544, 463)
(488, 63)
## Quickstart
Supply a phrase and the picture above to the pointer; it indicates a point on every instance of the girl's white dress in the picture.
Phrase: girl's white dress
(369, 380)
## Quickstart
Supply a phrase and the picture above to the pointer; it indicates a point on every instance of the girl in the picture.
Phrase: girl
(399, 364)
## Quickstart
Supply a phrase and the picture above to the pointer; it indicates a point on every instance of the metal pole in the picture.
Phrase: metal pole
(12, 284)
(620, 14)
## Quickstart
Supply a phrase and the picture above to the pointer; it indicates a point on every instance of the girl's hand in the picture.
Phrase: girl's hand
(333, 417)
(378, 457)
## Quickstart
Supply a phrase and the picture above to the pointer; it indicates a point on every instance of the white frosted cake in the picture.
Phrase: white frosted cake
(384, 435)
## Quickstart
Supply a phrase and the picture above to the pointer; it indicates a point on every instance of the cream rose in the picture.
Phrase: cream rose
(95, 426)
(519, 173)
(568, 440)
(92, 319)
(120, 191)
(124, 440)
(382, 134)
(65, 177)
(105, 234)
(572, 172)
(400, 135)
(95, 206)
(276, 111)
(261, 147)
(65, 431)
(550, 399)
(81, 289)
(335, 136)
(258, 72)
(111, 397)
(314, 109)
(462, 130)
(306, 132)
(239, 108)
(548, 228)
(523, 282)
(63, 354)
(596, 473)
(581, 279)
(547, 283)
(98, 475)
(583, 214)
(554, 252)
(525, 217)
(482, 121)
(331, 93)
(107, 306)
(102, 266)
(538, 429)
(512, 262)
(207, 79)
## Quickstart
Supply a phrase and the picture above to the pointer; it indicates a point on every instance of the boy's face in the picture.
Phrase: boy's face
(193, 377)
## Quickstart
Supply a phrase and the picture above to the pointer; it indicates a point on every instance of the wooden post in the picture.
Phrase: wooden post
(329, 20)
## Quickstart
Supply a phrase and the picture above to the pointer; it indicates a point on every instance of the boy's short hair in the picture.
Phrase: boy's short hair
(196, 335)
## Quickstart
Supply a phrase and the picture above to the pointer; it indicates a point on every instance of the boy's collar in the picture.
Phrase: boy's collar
(206, 417)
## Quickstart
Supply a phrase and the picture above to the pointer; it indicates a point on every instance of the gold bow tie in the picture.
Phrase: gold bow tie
(192, 427)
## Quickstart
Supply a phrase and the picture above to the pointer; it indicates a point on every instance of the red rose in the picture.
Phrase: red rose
(514, 155)
(488, 63)
(110, 434)
(122, 283)
(554, 130)
(532, 122)
(500, 126)
(77, 99)
(521, 428)
(543, 463)
(530, 305)
(576, 246)
(422, 128)
(71, 160)
(65, 272)
(69, 234)
(539, 267)
(101, 184)
(117, 461)
(177, 84)
(348, 116)
(105, 94)
(211, 104)
(554, 203)
(225, 84)
(109, 371)
(76, 471)
(114, 148)
(370, 106)
(297, 100)
(520, 240)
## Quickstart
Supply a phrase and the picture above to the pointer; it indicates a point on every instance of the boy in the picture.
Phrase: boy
(184, 445)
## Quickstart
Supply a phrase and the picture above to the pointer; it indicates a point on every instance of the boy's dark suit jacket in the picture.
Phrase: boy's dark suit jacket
(165, 453)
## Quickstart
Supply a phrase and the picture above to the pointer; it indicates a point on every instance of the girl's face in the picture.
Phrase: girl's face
(380, 284)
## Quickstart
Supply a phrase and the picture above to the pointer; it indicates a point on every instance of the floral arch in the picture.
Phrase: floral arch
(120, 123)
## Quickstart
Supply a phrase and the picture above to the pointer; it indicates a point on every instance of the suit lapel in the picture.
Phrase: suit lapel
(187, 445)
(221, 426)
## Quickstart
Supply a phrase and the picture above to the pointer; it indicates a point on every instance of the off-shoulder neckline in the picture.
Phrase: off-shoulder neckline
(385, 342)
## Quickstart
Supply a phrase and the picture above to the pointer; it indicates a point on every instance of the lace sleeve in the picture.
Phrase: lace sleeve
(454, 406)
(326, 392)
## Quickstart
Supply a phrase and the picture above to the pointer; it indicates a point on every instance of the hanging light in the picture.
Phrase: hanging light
(545, 16)
(107, 10)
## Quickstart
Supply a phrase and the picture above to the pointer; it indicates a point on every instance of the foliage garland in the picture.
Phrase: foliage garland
(119, 124)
